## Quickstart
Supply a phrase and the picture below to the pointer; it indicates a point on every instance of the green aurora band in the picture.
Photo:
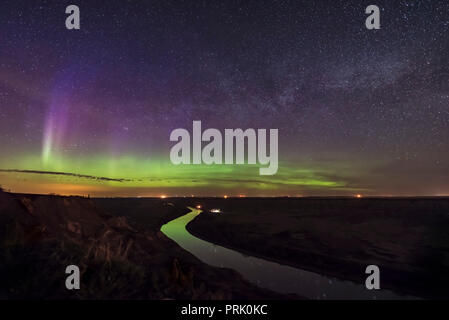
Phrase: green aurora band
(137, 176)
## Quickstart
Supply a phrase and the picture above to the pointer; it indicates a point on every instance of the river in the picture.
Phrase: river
(268, 274)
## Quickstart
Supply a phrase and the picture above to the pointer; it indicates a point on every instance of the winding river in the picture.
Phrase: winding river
(268, 274)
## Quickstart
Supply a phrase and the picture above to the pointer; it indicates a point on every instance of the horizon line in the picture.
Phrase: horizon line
(162, 197)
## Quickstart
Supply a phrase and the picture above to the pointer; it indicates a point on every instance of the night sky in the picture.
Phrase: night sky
(90, 111)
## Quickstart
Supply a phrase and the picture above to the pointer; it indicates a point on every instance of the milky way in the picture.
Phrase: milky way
(358, 111)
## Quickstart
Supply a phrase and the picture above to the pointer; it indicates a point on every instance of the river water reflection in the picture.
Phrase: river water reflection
(267, 274)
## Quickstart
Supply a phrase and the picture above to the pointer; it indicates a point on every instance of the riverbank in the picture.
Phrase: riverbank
(268, 274)
(117, 245)
(406, 238)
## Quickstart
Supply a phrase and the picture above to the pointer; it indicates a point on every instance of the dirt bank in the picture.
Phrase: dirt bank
(118, 258)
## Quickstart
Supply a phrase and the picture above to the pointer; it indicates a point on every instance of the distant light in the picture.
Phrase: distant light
(215, 210)
(163, 196)
(198, 207)
(225, 197)
(242, 196)
(358, 195)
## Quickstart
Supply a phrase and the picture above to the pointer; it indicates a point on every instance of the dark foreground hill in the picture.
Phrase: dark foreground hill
(41, 235)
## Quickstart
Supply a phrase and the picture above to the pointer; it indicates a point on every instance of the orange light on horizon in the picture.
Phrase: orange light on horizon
(225, 197)
(163, 196)
(242, 196)
(358, 196)
(198, 207)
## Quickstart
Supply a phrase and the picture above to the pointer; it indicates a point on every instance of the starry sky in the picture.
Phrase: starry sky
(90, 111)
